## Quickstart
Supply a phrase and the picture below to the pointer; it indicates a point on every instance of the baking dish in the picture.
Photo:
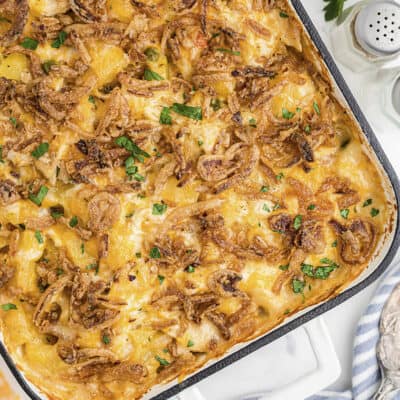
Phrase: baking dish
(377, 267)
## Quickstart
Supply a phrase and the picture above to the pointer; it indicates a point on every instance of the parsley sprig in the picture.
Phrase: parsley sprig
(333, 9)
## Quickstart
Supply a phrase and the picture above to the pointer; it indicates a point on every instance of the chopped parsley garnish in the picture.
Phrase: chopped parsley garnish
(59, 271)
(29, 43)
(8, 307)
(200, 142)
(297, 222)
(163, 362)
(311, 207)
(59, 41)
(229, 51)
(334, 243)
(138, 254)
(82, 248)
(345, 213)
(159, 208)
(39, 237)
(73, 221)
(284, 267)
(155, 252)
(188, 111)
(106, 339)
(161, 279)
(14, 121)
(215, 104)
(190, 343)
(280, 176)
(287, 114)
(253, 122)
(307, 269)
(367, 203)
(94, 267)
(136, 151)
(190, 269)
(39, 196)
(321, 272)
(316, 108)
(165, 116)
(298, 286)
(374, 212)
(46, 66)
(287, 312)
(91, 99)
(150, 75)
(264, 189)
(1, 154)
(266, 208)
(307, 129)
(40, 150)
(152, 54)
(282, 14)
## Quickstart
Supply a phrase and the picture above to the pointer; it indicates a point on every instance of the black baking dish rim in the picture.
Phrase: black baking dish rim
(322, 308)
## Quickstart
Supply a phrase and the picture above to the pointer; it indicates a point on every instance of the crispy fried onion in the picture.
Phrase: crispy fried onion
(8, 192)
(90, 10)
(342, 187)
(140, 87)
(88, 306)
(110, 32)
(16, 11)
(357, 240)
(223, 283)
(229, 169)
(102, 363)
(104, 210)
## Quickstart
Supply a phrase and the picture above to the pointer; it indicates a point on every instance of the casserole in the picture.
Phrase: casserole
(391, 235)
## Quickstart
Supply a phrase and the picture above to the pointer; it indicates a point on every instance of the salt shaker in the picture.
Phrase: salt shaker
(368, 37)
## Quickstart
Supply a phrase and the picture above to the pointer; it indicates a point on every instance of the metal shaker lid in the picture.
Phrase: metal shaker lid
(377, 28)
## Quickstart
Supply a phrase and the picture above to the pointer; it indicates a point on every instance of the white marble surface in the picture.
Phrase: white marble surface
(367, 88)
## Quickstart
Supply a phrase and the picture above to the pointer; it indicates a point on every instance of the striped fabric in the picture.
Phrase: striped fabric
(366, 375)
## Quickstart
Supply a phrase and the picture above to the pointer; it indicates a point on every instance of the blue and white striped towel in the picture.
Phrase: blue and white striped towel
(366, 375)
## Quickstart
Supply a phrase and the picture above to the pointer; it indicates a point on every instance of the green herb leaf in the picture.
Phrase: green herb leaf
(188, 111)
(287, 114)
(106, 339)
(155, 252)
(39, 196)
(163, 362)
(297, 222)
(73, 221)
(264, 189)
(46, 66)
(200, 142)
(316, 108)
(8, 307)
(333, 9)
(138, 255)
(311, 207)
(282, 14)
(165, 116)
(159, 208)
(307, 129)
(1, 154)
(266, 208)
(345, 213)
(136, 151)
(29, 43)
(229, 51)
(152, 54)
(161, 279)
(190, 269)
(298, 286)
(308, 270)
(374, 212)
(39, 237)
(334, 243)
(82, 248)
(190, 343)
(328, 261)
(150, 75)
(367, 203)
(94, 267)
(40, 150)
(284, 267)
(215, 104)
(253, 122)
(91, 99)
(323, 272)
(61, 38)
(14, 121)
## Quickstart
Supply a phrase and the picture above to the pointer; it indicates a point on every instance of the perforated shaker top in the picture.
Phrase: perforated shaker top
(377, 27)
